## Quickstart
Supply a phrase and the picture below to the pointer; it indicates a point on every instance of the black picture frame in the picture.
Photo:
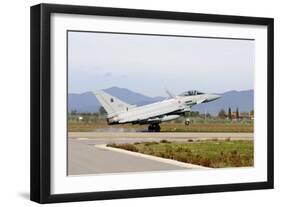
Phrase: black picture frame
(40, 184)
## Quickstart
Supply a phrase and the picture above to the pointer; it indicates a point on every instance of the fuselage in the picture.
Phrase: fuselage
(158, 112)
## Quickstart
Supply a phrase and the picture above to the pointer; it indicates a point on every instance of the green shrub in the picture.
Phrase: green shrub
(149, 143)
(129, 147)
(164, 141)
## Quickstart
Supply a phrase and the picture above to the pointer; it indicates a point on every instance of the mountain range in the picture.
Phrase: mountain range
(87, 102)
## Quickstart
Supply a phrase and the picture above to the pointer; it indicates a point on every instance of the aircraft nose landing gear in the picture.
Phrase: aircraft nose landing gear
(187, 122)
(154, 128)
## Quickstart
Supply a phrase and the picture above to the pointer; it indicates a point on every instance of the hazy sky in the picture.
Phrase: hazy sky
(148, 64)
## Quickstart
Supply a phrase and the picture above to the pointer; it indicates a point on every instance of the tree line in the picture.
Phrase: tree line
(222, 114)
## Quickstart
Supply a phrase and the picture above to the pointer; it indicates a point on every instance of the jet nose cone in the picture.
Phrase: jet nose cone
(214, 97)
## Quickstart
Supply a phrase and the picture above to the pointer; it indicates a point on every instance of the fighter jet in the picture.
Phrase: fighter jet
(120, 112)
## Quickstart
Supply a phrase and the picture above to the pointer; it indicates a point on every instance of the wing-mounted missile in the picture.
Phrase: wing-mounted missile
(169, 117)
(163, 118)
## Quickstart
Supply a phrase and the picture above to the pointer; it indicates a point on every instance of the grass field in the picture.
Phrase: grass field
(168, 127)
(215, 154)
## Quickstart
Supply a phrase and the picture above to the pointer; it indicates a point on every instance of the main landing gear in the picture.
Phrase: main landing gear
(154, 128)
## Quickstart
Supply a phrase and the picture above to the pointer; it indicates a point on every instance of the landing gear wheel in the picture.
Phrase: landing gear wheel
(187, 122)
(157, 128)
(150, 128)
(154, 128)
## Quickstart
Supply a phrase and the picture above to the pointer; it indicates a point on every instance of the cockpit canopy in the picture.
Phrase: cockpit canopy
(191, 93)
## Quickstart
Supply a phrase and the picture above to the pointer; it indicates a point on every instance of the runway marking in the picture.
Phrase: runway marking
(82, 138)
(179, 135)
(151, 157)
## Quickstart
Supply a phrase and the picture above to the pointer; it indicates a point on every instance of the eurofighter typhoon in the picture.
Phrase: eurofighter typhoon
(120, 112)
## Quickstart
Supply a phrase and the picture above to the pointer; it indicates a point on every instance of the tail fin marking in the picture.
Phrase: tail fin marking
(112, 104)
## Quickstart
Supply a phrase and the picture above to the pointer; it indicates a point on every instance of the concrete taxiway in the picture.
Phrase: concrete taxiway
(86, 156)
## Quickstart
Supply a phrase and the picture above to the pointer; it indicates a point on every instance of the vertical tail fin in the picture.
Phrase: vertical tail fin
(112, 104)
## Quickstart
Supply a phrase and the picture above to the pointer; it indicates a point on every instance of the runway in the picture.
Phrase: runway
(86, 157)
